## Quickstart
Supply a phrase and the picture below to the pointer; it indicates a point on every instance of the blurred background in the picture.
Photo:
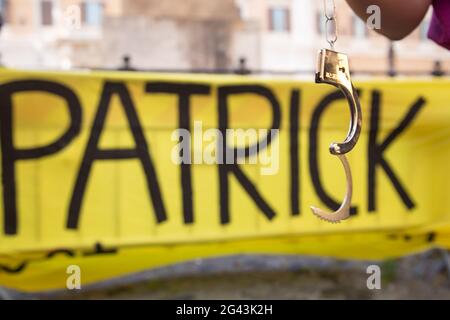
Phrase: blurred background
(227, 36)
(270, 36)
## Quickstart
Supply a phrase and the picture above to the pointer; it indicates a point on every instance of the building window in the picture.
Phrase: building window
(359, 28)
(4, 11)
(243, 10)
(91, 13)
(47, 13)
(279, 19)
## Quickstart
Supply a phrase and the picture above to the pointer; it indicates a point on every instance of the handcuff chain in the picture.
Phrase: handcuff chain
(331, 29)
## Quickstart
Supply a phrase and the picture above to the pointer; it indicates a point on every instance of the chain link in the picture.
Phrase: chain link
(331, 29)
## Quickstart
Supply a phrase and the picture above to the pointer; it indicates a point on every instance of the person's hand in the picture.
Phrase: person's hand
(398, 17)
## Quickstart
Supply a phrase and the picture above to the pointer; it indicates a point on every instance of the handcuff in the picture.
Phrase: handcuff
(333, 69)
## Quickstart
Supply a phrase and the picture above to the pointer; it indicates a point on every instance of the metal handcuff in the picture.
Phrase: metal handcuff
(333, 69)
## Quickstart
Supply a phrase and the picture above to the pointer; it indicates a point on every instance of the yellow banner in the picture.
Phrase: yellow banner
(92, 172)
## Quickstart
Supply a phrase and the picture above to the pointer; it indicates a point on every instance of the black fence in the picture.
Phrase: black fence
(242, 69)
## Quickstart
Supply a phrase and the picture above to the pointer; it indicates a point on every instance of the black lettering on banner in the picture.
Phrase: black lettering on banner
(375, 150)
(294, 148)
(92, 153)
(55, 252)
(14, 270)
(100, 249)
(313, 155)
(224, 169)
(10, 153)
(71, 253)
(184, 92)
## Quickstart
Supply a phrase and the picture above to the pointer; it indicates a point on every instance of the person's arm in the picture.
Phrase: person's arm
(398, 17)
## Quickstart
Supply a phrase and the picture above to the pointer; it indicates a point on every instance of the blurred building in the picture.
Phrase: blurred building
(41, 33)
(272, 35)
(97, 33)
(292, 31)
(169, 34)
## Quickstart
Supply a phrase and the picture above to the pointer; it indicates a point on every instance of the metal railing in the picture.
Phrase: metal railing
(242, 69)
